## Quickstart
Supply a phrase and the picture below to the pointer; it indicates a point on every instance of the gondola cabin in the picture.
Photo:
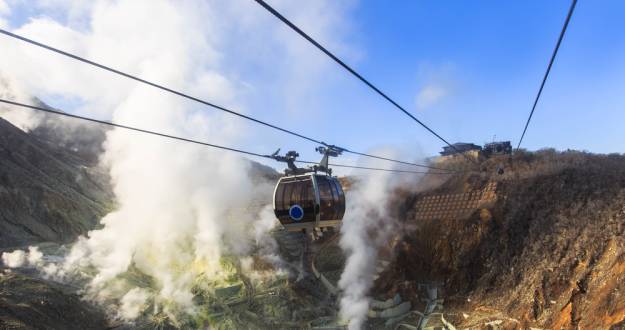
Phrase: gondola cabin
(308, 201)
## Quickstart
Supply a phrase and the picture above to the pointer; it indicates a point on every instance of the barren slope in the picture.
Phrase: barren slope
(47, 193)
(549, 253)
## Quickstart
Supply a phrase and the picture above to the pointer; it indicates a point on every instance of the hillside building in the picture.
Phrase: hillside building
(497, 148)
(460, 147)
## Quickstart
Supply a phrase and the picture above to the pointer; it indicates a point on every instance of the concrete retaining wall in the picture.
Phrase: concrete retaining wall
(455, 206)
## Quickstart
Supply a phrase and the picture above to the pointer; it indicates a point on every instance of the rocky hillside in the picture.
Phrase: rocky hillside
(51, 191)
(549, 253)
(82, 140)
(47, 192)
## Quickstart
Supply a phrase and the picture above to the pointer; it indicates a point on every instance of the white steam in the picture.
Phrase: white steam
(367, 227)
(20, 258)
(133, 303)
(174, 220)
(12, 91)
(14, 259)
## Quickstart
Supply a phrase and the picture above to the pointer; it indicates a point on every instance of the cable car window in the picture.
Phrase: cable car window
(340, 204)
(307, 195)
(335, 190)
(279, 197)
(307, 201)
(288, 187)
(296, 190)
(326, 200)
(335, 197)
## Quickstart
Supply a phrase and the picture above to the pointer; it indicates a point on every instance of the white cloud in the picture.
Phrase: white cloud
(438, 84)
(4, 8)
(430, 95)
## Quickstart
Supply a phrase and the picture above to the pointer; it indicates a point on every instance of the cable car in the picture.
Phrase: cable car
(305, 199)
(309, 201)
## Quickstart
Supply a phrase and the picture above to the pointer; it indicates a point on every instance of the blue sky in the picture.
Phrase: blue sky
(489, 57)
(493, 54)
(470, 70)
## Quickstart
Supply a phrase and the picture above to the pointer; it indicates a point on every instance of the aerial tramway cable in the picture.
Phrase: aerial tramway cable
(145, 131)
(356, 74)
(553, 57)
(192, 98)
(376, 168)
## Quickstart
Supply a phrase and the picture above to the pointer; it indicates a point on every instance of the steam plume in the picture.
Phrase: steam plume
(174, 218)
(366, 227)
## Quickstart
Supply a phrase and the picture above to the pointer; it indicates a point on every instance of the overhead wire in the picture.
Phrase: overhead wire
(553, 57)
(377, 168)
(178, 138)
(108, 123)
(354, 73)
(195, 99)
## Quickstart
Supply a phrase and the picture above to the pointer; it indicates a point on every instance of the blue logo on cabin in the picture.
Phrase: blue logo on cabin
(296, 212)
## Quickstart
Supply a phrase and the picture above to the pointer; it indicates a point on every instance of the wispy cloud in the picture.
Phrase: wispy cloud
(430, 95)
(437, 84)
